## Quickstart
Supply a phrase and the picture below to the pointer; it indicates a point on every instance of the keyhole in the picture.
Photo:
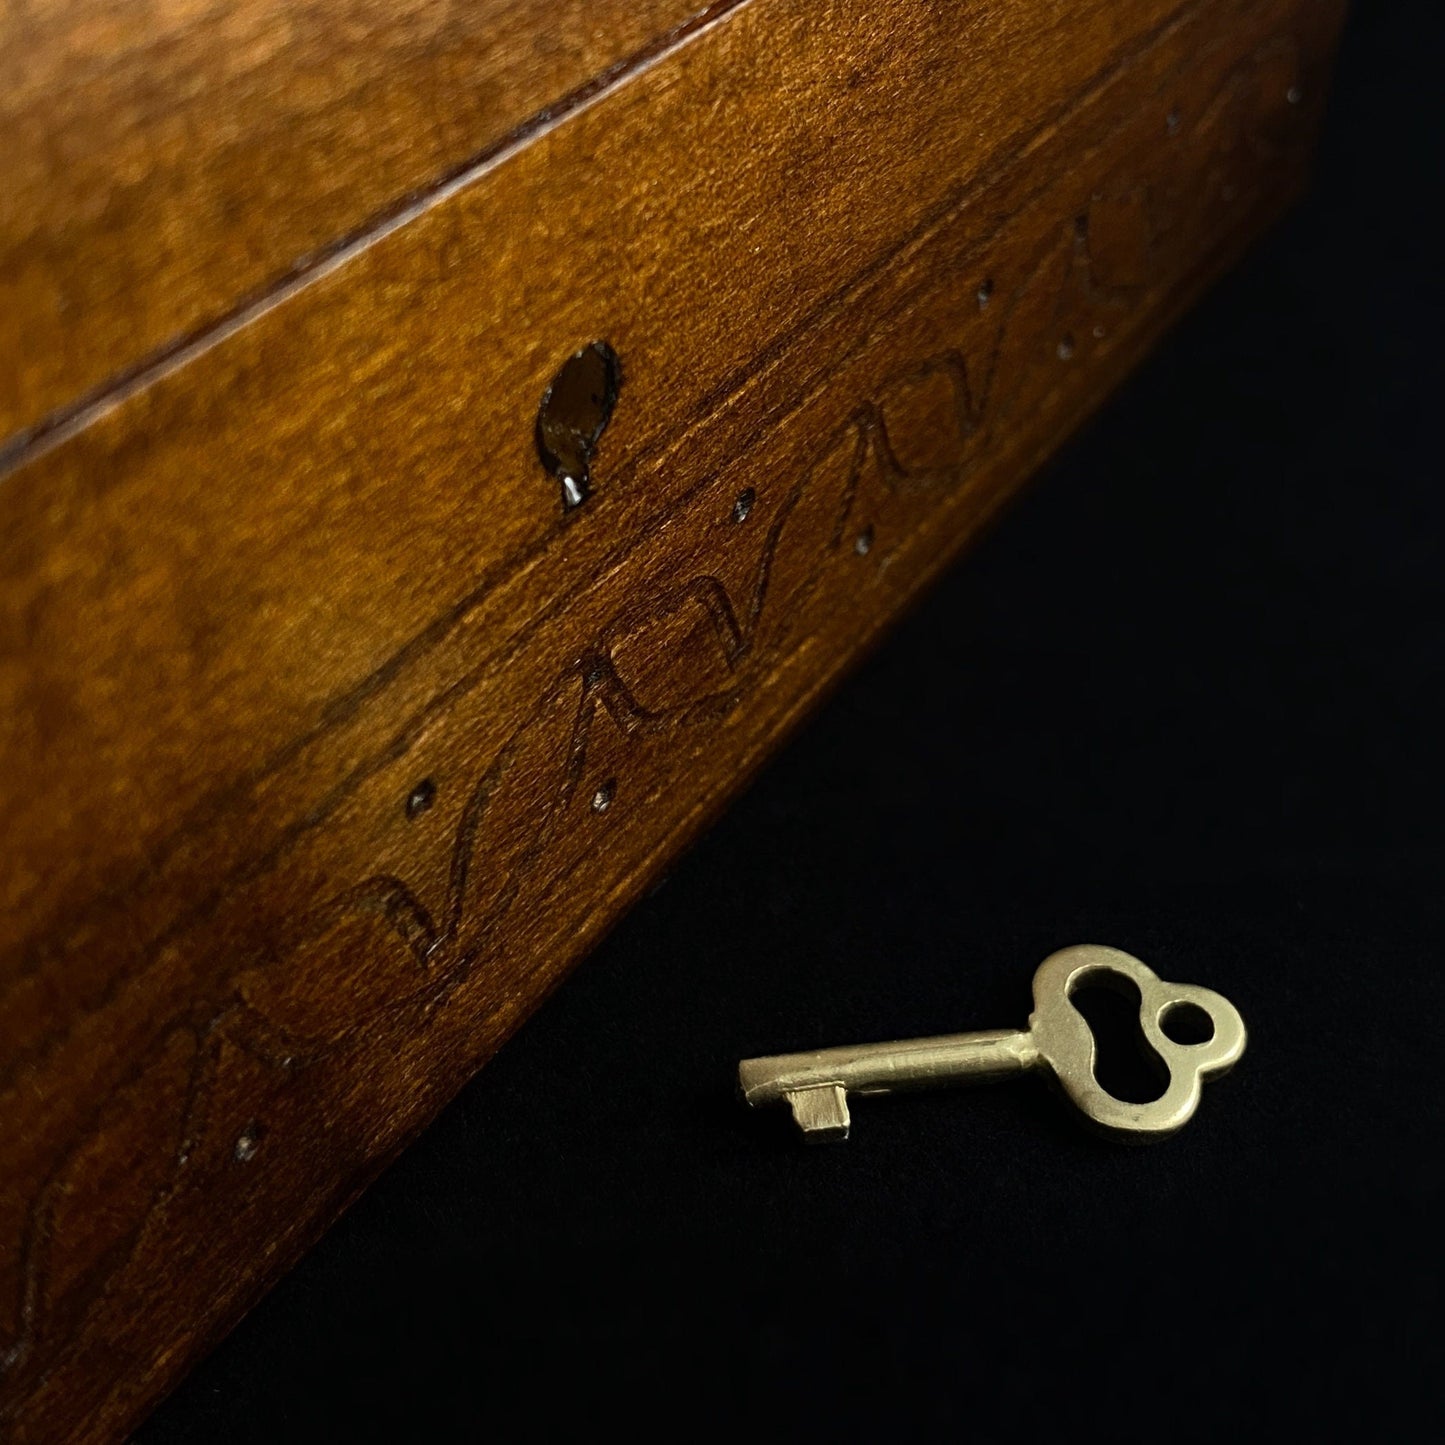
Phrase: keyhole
(574, 413)
(1125, 1065)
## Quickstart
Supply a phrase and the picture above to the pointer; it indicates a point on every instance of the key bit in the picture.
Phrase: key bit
(815, 1086)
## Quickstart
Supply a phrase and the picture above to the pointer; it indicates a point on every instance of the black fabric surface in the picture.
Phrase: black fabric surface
(1186, 698)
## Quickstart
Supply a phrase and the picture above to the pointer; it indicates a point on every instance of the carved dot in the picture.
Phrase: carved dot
(985, 293)
(864, 543)
(602, 798)
(420, 798)
(744, 504)
(1066, 348)
(573, 414)
(247, 1144)
(1172, 122)
(1294, 95)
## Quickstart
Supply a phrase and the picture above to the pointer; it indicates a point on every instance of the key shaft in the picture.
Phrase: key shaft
(816, 1085)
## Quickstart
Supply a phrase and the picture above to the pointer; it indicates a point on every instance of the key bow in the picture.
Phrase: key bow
(1066, 1042)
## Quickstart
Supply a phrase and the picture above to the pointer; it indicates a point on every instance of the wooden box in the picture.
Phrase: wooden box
(332, 733)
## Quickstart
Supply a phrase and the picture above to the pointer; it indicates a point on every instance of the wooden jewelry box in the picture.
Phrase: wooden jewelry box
(443, 449)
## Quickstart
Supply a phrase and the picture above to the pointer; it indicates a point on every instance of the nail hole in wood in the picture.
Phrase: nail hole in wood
(420, 798)
(247, 1143)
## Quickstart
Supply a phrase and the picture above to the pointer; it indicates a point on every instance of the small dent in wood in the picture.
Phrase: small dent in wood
(421, 798)
(744, 504)
(247, 1143)
(1066, 347)
(863, 544)
(573, 414)
(602, 798)
(985, 293)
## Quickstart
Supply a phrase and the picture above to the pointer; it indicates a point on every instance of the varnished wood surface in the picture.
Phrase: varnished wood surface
(165, 163)
(863, 265)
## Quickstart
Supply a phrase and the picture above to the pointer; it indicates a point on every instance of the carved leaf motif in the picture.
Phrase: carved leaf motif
(88, 1215)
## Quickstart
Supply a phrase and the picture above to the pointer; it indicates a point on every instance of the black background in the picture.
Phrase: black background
(1187, 698)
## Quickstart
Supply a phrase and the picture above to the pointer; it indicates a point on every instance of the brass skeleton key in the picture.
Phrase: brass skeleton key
(816, 1085)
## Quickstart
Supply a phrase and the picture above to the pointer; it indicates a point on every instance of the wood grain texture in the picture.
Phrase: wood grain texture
(164, 163)
(864, 265)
